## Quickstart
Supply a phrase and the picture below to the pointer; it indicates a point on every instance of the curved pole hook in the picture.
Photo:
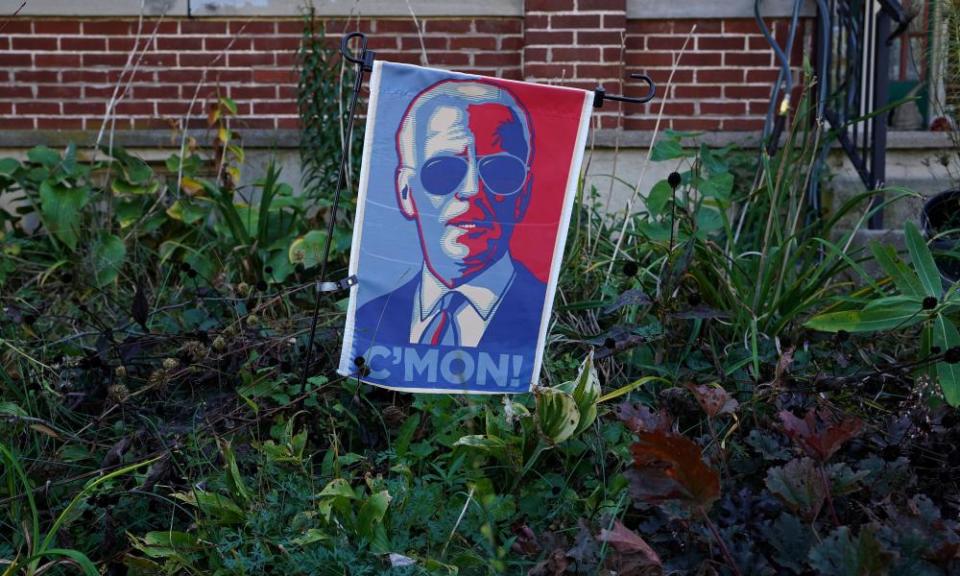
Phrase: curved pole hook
(600, 95)
(366, 56)
(651, 93)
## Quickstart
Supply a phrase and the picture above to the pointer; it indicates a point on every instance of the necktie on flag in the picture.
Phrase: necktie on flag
(466, 188)
(444, 328)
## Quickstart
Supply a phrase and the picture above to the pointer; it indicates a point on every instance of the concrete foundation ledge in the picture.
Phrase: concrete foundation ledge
(252, 8)
(291, 139)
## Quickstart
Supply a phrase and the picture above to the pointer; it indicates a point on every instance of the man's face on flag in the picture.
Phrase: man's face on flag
(469, 183)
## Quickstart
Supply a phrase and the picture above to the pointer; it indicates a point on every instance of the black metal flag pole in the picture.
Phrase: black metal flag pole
(364, 63)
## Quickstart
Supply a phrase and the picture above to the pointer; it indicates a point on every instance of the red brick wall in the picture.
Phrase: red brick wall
(724, 77)
(63, 73)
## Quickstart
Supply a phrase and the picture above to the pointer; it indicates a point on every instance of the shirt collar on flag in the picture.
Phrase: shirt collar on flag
(483, 292)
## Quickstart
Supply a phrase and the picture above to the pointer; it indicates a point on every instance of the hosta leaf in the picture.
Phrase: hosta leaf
(122, 187)
(923, 261)
(585, 391)
(136, 171)
(191, 186)
(906, 280)
(108, 255)
(557, 414)
(719, 186)
(44, 156)
(186, 211)
(234, 479)
(660, 194)
(371, 514)
(311, 536)
(669, 149)
(128, 211)
(172, 539)
(61, 209)
(8, 166)
(308, 249)
(482, 442)
(897, 313)
(282, 268)
(670, 467)
(338, 488)
(219, 506)
(945, 336)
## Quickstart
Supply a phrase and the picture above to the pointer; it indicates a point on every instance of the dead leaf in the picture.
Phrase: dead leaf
(43, 429)
(157, 472)
(632, 297)
(783, 367)
(140, 310)
(555, 565)
(585, 551)
(670, 467)
(638, 418)
(526, 543)
(713, 399)
(115, 454)
(628, 542)
(820, 434)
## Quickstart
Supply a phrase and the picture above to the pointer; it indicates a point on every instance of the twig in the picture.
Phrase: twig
(646, 162)
(720, 542)
(453, 531)
(828, 494)
(423, 48)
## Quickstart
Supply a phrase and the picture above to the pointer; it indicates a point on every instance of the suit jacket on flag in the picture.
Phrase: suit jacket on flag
(514, 323)
(466, 188)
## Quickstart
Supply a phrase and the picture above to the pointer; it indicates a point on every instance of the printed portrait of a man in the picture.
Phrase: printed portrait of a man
(463, 178)
(457, 230)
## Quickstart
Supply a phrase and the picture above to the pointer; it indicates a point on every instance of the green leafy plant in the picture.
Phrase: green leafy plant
(920, 299)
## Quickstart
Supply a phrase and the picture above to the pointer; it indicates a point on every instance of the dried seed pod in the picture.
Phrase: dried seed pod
(393, 415)
(219, 344)
(194, 350)
(118, 393)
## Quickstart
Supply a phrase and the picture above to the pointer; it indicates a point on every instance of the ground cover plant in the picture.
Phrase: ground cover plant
(732, 385)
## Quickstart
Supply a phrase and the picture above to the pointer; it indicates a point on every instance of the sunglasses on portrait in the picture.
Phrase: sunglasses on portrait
(502, 174)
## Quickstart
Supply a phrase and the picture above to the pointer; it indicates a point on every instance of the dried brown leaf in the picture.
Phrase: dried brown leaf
(671, 467)
(629, 543)
(713, 399)
(820, 434)
(555, 565)
(639, 418)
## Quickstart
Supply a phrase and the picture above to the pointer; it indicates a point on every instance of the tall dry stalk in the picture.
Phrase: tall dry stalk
(677, 56)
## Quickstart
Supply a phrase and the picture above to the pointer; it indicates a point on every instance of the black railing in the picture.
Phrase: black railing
(853, 65)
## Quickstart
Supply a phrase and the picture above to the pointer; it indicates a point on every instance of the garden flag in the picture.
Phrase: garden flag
(466, 189)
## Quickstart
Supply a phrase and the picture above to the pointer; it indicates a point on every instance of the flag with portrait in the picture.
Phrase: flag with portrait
(466, 189)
